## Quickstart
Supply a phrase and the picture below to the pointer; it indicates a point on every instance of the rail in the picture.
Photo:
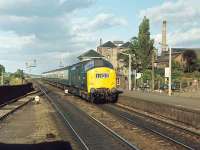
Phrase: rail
(124, 115)
(109, 131)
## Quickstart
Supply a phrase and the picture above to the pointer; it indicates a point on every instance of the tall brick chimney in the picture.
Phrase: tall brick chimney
(164, 36)
(101, 42)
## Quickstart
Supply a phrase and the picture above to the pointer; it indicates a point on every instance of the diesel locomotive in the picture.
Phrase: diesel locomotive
(94, 80)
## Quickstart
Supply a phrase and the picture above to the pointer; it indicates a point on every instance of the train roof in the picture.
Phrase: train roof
(59, 69)
(64, 68)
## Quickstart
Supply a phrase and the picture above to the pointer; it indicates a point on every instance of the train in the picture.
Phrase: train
(93, 80)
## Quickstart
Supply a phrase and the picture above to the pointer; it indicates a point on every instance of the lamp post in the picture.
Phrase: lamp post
(129, 70)
(170, 68)
(153, 72)
(170, 71)
(22, 76)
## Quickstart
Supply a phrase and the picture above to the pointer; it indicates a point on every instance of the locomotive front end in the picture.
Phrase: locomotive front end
(101, 85)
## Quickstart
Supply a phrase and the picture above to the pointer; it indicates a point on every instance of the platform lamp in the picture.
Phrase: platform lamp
(170, 68)
(129, 69)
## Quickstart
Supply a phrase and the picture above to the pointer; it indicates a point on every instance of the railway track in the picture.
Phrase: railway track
(174, 134)
(10, 107)
(161, 119)
(91, 133)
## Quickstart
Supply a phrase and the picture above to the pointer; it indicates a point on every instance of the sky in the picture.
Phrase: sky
(53, 30)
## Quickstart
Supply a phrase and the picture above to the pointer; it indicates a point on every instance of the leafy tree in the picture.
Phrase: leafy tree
(132, 50)
(198, 65)
(196, 75)
(141, 47)
(18, 74)
(191, 60)
(2, 68)
(177, 70)
(146, 75)
(145, 44)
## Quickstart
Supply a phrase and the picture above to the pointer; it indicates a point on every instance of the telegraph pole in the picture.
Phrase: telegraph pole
(153, 71)
(135, 79)
(22, 76)
(129, 72)
(170, 72)
(30, 65)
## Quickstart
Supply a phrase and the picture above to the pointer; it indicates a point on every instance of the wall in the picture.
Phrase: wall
(183, 115)
(8, 93)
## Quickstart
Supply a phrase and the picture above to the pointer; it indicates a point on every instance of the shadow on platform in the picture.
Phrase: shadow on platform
(55, 145)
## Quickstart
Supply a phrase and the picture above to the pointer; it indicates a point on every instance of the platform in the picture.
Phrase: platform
(180, 109)
(185, 102)
(34, 126)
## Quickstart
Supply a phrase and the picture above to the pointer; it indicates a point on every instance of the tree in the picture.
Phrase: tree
(177, 70)
(145, 44)
(196, 75)
(2, 68)
(18, 74)
(131, 50)
(190, 57)
(141, 48)
(146, 75)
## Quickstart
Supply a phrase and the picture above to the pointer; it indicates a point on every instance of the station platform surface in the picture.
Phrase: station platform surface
(184, 102)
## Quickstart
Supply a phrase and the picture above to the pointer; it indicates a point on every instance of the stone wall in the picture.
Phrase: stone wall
(8, 93)
(183, 115)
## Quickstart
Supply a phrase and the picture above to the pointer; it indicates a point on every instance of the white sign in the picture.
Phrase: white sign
(37, 99)
(139, 75)
(167, 72)
(66, 91)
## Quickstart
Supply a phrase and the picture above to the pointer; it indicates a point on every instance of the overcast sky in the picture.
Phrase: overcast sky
(48, 30)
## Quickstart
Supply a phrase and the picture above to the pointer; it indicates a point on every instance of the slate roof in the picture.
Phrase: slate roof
(109, 44)
(184, 49)
(165, 58)
(176, 52)
(181, 50)
(90, 54)
(126, 45)
(118, 42)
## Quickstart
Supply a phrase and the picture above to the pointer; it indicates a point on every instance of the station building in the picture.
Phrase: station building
(177, 56)
(90, 54)
(110, 51)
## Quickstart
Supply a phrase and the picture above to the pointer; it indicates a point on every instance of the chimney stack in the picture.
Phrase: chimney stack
(164, 36)
(101, 41)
